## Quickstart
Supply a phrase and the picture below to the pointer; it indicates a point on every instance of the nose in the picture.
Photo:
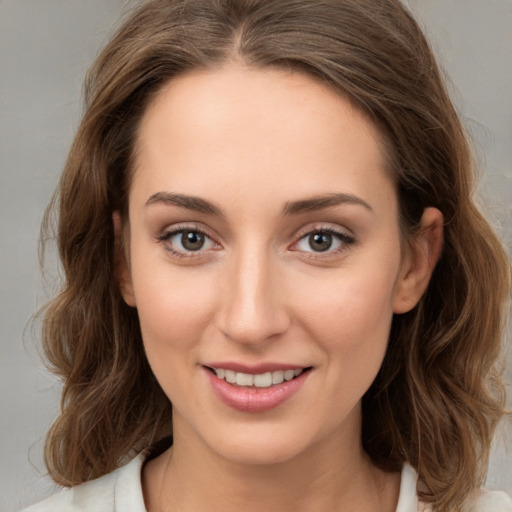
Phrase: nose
(253, 307)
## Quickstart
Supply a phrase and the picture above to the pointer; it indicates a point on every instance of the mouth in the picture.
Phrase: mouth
(255, 389)
(257, 380)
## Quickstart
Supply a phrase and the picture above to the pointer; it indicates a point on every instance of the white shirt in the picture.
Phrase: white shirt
(121, 491)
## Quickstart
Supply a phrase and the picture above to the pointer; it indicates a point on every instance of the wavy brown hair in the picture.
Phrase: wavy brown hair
(438, 396)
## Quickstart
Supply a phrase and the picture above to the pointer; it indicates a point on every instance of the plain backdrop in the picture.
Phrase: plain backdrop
(45, 48)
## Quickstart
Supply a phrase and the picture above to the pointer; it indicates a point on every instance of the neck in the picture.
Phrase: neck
(334, 475)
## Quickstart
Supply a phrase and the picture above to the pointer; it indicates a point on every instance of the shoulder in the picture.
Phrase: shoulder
(110, 493)
(480, 500)
(485, 500)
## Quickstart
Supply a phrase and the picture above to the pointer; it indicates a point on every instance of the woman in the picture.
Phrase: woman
(268, 234)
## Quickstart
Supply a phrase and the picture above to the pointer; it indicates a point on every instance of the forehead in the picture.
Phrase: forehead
(236, 128)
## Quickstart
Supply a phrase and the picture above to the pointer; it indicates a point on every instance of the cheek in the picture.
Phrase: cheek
(175, 310)
(351, 326)
(173, 306)
(350, 320)
(350, 306)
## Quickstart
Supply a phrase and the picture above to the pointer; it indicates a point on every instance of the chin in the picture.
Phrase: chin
(259, 454)
(260, 445)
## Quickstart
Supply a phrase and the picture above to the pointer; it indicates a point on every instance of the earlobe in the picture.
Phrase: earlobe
(419, 262)
(121, 259)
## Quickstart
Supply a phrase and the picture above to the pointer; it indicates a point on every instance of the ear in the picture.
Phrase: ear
(419, 261)
(121, 259)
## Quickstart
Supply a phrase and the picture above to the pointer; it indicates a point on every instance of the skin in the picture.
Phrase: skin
(251, 142)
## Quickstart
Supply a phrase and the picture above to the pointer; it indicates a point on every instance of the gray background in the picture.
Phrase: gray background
(45, 48)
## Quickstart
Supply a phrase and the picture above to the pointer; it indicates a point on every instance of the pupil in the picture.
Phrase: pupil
(192, 241)
(320, 241)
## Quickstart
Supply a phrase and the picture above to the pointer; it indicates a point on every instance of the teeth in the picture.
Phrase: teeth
(262, 380)
(230, 376)
(244, 379)
(289, 374)
(277, 377)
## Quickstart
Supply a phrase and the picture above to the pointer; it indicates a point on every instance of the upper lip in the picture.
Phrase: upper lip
(254, 369)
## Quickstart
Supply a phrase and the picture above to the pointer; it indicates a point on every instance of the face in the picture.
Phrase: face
(264, 260)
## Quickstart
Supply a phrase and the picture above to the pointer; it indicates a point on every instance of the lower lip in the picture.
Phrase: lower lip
(252, 399)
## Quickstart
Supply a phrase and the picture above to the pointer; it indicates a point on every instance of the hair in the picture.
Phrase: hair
(438, 396)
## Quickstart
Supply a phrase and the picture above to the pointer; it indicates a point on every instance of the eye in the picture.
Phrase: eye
(185, 241)
(189, 240)
(318, 242)
(325, 240)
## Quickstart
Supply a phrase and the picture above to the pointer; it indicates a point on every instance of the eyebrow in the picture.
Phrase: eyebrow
(311, 204)
(323, 201)
(184, 201)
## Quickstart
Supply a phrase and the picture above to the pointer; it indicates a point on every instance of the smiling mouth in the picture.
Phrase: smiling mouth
(260, 380)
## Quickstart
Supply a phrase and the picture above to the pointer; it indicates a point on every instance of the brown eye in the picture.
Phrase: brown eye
(192, 240)
(327, 241)
(320, 242)
(183, 241)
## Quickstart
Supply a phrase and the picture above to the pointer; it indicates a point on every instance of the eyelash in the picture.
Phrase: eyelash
(343, 238)
(165, 237)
